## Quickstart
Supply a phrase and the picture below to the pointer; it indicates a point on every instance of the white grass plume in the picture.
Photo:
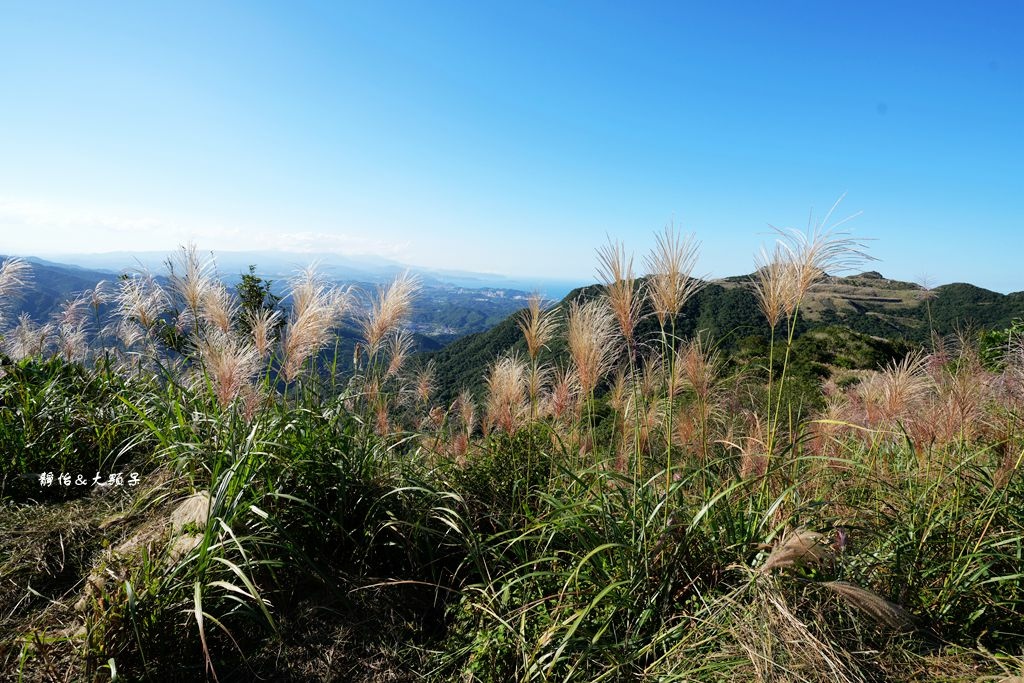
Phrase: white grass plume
(615, 269)
(191, 278)
(27, 339)
(219, 307)
(388, 310)
(670, 266)
(590, 331)
(141, 299)
(262, 326)
(506, 393)
(801, 259)
(15, 274)
(537, 325)
(315, 310)
(229, 363)
(399, 347)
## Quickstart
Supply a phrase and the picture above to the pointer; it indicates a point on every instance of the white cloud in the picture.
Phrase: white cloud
(41, 228)
(309, 241)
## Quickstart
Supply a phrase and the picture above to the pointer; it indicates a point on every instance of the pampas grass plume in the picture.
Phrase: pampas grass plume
(387, 310)
(670, 265)
(590, 331)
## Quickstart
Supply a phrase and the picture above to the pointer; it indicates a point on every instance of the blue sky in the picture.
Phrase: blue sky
(514, 137)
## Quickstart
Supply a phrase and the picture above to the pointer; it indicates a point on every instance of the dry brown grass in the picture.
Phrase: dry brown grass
(799, 548)
(766, 641)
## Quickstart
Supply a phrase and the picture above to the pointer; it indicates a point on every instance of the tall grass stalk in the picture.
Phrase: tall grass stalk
(670, 286)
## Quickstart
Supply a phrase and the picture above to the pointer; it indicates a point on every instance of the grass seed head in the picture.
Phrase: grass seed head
(615, 269)
(589, 332)
(563, 398)
(262, 326)
(399, 348)
(315, 310)
(423, 382)
(229, 363)
(801, 548)
(191, 276)
(884, 613)
(27, 339)
(219, 307)
(388, 310)
(15, 275)
(538, 326)
(506, 393)
(465, 405)
(141, 299)
(670, 265)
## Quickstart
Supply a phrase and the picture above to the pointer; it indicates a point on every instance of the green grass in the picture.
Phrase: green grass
(525, 563)
(297, 538)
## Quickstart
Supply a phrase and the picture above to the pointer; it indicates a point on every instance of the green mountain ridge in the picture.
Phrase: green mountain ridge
(865, 311)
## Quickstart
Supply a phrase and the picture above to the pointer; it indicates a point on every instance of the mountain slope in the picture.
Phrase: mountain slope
(875, 309)
(52, 284)
(442, 312)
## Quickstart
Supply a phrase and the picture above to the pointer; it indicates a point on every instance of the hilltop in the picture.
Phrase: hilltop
(866, 309)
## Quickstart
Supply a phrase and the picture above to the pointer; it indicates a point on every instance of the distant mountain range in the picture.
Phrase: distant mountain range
(465, 327)
(279, 266)
(450, 305)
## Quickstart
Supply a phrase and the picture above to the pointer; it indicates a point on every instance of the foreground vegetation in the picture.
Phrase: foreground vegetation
(622, 502)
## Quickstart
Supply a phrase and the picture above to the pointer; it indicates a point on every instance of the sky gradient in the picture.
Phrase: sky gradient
(513, 138)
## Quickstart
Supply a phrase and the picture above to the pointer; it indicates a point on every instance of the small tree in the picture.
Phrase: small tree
(994, 345)
(254, 293)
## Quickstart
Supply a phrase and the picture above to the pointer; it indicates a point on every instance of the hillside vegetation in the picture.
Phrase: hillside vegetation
(887, 316)
(659, 479)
